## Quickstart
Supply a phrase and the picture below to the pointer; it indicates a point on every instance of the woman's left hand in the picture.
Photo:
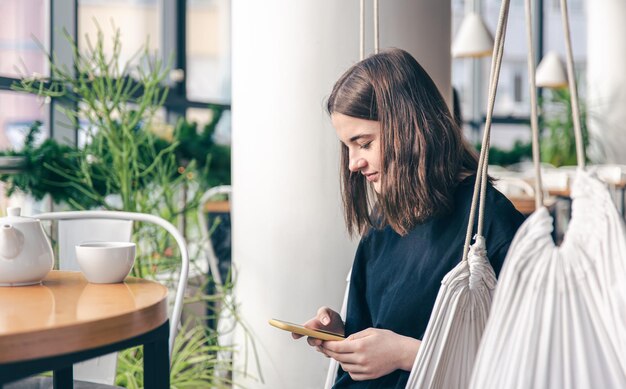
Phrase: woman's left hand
(372, 353)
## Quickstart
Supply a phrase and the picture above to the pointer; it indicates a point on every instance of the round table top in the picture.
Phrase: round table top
(68, 314)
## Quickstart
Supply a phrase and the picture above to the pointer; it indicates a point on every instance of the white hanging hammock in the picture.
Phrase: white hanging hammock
(446, 356)
(558, 319)
(559, 313)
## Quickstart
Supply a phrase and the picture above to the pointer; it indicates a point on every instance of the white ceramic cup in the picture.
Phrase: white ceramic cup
(105, 262)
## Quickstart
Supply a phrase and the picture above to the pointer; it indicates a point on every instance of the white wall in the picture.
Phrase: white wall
(606, 80)
(290, 247)
(423, 28)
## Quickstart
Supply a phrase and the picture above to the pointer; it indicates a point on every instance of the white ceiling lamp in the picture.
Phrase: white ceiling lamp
(473, 38)
(550, 72)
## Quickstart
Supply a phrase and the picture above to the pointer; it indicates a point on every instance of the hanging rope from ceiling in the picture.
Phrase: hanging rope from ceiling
(446, 356)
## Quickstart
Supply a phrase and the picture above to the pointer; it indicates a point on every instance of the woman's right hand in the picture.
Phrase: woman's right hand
(327, 320)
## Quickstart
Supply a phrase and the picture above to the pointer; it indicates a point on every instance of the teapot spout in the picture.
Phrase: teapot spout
(11, 241)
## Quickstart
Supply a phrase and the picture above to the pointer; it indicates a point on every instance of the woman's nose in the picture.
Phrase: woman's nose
(357, 164)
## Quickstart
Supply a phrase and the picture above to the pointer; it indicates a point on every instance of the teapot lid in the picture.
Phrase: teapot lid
(14, 217)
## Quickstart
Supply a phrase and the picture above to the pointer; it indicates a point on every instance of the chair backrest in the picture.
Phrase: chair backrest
(204, 228)
(74, 232)
(611, 173)
(226, 321)
(333, 366)
(515, 187)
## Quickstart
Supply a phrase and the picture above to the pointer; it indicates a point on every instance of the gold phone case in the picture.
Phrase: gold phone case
(298, 329)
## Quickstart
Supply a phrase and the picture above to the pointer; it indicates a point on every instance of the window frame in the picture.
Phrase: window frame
(64, 16)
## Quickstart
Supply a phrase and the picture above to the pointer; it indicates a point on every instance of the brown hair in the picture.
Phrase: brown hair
(424, 155)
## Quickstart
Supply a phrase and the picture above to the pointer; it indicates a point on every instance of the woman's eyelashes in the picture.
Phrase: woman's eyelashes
(366, 145)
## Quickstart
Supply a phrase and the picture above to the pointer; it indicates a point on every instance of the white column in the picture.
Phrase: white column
(606, 80)
(290, 248)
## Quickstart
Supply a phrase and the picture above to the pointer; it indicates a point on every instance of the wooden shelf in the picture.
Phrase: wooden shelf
(217, 206)
(526, 205)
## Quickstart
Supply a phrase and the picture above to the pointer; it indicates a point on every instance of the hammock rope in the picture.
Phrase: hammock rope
(376, 36)
(447, 353)
(571, 78)
(481, 174)
(534, 122)
(361, 30)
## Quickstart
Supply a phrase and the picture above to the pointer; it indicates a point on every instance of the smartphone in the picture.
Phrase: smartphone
(298, 329)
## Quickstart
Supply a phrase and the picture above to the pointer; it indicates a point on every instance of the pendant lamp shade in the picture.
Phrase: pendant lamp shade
(473, 38)
(551, 72)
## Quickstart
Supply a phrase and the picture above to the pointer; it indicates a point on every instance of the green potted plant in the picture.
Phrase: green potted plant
(558, 145)
(520, 151)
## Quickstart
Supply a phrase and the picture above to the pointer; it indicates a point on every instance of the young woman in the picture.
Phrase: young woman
(407, 180)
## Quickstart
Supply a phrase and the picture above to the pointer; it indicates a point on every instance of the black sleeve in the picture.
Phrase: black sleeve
(501, 223)
(497, 255)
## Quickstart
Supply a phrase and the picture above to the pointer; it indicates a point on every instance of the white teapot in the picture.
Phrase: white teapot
(26, 256)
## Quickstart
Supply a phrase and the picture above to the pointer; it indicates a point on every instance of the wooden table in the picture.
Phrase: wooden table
(67, 320)
(526, 205)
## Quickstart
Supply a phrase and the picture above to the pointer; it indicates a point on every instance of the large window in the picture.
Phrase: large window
(19, 111)
(137, 21)
(23, 24)
(23, 28)
(193, 36)
(24, 40)
(208, 50)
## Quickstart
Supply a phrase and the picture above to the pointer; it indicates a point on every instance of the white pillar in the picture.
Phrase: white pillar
(290, 248)
(606, 80)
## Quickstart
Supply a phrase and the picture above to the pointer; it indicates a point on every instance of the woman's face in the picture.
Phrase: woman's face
(362, 138)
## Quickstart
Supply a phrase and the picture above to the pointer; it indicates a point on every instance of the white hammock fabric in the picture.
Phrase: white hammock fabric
(559, 313)
(446, 356)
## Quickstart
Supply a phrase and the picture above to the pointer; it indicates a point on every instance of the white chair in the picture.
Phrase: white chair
(611, 173)
(75, 227)
(498, 170)
(226, 321)
(204, 228)
(514, 187)
(527, 167)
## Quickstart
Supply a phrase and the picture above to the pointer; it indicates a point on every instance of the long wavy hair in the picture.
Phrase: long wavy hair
(424, 154)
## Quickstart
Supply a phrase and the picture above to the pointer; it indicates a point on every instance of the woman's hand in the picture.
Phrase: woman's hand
(327, 320)
(373, 353)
